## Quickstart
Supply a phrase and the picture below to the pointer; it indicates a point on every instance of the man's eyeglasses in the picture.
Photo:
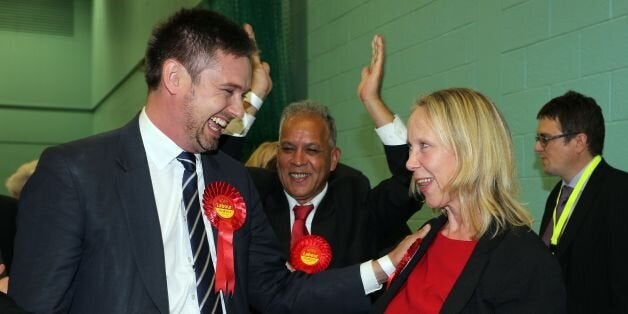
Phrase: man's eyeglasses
(544, 139)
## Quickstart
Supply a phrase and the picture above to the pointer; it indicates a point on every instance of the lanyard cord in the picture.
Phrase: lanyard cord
(560, 224)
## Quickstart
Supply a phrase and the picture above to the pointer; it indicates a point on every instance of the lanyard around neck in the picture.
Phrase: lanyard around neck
(560, 224)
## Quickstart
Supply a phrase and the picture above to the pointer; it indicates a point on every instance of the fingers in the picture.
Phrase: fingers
(423, 231)
(373, 50)
(249, 30)
(266, 67)
(378, 52)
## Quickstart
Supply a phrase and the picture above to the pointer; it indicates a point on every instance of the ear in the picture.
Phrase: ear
(582, 141)
(335, 158)
(174, 76)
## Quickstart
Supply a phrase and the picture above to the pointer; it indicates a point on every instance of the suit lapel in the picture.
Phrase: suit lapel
(468, 281)
(324, 222)
(138, 203)
(549, 208)
(278, 214)
(209, 176)
(584, 205)
(401, 278)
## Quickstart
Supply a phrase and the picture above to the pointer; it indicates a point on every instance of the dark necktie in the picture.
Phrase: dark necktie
(207, 298)
(564, 195)
(298, 229)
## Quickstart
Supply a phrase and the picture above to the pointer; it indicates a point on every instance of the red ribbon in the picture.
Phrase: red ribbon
(225, 208)
(311, 254)
(404, 260)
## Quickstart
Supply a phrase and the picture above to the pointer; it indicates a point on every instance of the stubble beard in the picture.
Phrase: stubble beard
(195, 128)
(210, 144)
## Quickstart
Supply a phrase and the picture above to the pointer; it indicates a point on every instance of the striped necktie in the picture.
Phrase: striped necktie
(208, 300)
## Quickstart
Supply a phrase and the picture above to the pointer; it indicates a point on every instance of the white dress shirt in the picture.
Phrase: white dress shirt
(166, 174)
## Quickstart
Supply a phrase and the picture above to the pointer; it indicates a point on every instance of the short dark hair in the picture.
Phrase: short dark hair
(192, 37)
(577, 113)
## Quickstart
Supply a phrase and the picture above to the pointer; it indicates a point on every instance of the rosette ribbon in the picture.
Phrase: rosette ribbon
(225, 208)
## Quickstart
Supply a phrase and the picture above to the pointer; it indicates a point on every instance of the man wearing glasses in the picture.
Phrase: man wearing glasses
(585, 222)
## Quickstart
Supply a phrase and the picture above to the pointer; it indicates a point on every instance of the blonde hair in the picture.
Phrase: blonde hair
(485, 181)
(16, 181)
(264, 156)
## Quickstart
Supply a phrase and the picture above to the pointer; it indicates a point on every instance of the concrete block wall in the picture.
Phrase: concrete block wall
(520, 53)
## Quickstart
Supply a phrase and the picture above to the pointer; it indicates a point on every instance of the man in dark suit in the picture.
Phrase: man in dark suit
(358, 221)
(104, 224)
(585, 214)
(354, 218)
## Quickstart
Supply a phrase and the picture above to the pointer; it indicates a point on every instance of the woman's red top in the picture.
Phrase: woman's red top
(433, 277)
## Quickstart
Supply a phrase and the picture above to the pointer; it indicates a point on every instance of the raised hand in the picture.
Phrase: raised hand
(372, 75)
(370, 85)
(261, 83)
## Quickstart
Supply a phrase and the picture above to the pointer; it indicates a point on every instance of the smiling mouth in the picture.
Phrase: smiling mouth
(424, 181)
(299, 176)
(423, 184)
(218, 124)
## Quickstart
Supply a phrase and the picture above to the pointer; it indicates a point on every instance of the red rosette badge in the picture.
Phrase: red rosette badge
(310, 254)
(225, 208)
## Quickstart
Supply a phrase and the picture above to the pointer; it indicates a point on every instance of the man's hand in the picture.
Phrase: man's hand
(397, 254)
(4, 281)
(370, 85)
(261, 83)
(372, 75)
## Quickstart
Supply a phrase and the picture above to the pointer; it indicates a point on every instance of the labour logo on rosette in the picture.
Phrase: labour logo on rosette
(311, 254)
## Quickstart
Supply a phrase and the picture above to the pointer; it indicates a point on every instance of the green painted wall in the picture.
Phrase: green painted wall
(520, 53)
(121, 30)
(57, 88)
(47, 70)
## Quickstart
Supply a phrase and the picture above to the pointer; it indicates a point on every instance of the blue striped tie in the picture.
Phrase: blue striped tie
(207, 298)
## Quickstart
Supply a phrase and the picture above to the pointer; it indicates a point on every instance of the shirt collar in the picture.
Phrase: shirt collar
(315, 201)
(160, 149)
(575, 179)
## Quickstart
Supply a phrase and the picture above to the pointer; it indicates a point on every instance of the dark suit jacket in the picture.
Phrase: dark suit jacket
(358, 221)
(593, 249)
(89, 239)
(510, 273)
(8, 211)
(7, 306)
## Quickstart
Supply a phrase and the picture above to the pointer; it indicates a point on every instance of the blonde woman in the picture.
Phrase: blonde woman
(264, 156)
(479, 255)
(16, 181)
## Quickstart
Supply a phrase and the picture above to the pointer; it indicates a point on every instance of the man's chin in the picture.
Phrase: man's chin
(208, 145)
(297, 196)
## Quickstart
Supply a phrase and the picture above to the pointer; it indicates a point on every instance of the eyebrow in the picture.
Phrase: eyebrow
(232, 85)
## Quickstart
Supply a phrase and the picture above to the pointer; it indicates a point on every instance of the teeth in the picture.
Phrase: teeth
(298, 175)
(424, 181)
(222, 123)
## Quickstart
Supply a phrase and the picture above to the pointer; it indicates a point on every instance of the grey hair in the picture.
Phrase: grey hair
(312, 107)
